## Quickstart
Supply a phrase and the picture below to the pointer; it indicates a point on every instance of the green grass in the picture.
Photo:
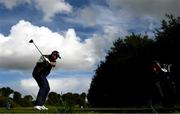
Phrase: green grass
(30, 110)
(51, 109)
(90, 110)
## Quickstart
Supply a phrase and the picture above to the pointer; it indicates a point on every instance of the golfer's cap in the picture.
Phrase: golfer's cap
(57, 54)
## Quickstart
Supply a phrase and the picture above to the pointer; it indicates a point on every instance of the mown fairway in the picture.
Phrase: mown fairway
(91, 110)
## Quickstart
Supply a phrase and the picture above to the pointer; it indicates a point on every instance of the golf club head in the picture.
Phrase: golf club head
(31, 41)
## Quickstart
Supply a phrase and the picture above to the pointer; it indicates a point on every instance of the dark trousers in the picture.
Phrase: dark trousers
(43, 89)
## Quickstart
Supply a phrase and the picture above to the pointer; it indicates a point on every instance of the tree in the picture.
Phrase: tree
(124, 78)
(17, 97)
(5, 91)
(54, 99)
(68, 99)
(167, 40)
(167, 45)
(82, 99)
(75, 99)
(120, 80)
(27, 101)
(3, 101)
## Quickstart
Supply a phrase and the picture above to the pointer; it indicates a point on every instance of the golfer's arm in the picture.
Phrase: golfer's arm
(53, 64)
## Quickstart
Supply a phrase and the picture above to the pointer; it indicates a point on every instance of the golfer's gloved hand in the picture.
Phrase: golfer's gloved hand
(46, 59)
(53, 64)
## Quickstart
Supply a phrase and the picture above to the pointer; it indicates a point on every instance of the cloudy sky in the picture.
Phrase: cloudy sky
(81, 30)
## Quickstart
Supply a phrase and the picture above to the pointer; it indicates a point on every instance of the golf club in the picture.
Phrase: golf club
(31, 41)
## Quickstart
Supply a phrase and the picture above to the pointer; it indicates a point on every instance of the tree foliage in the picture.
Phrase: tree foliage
(54, 99)
(71, 99)
(120, 78)
(26, 101)
(5, 91)
(124, 78)
(17, 97)
(167, 45)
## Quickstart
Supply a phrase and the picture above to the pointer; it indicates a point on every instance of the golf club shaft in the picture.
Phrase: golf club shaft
(31, 41)
(38, 49)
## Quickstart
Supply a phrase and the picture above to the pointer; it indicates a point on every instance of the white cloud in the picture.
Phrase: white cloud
(94, 15)
(12, 3)
(104, 19)
(64, 85)
(126, 15)
(153, 8)
(2, 38)
(17, 53)
(49, 7)
(52, 7)
(86, 16)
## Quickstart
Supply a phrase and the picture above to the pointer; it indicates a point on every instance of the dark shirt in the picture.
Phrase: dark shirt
(43, 67)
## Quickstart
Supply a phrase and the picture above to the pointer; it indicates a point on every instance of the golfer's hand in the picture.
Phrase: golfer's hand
(46, 59)
(53, 64)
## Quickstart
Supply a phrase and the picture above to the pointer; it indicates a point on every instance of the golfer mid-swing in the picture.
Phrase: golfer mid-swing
(40, 72)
